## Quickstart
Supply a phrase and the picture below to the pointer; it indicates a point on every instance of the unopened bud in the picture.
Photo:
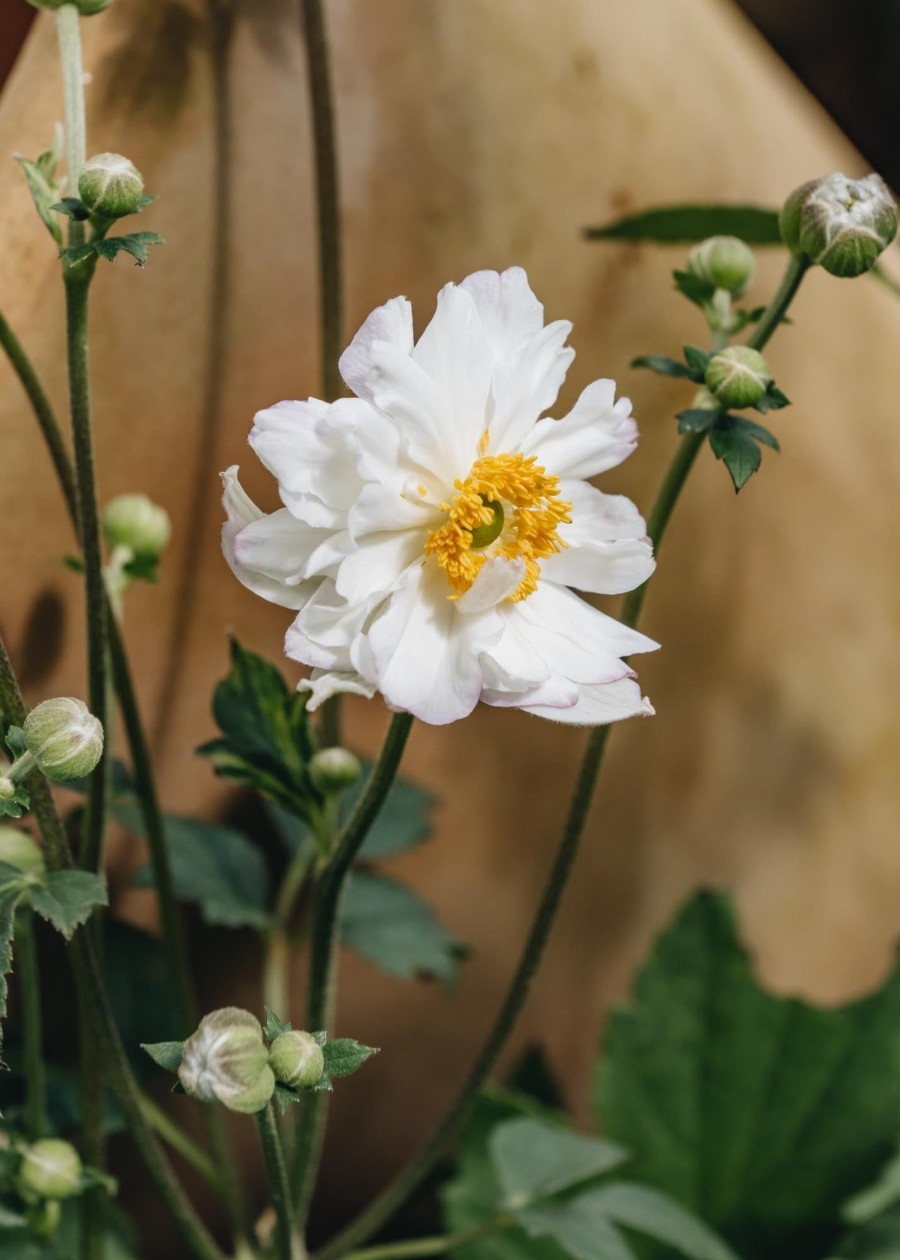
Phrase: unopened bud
(134, 521)
(738, 376)
(296, 1058)
(725, 262)
(19, 850)
(333, 769)
(8, 788)
(64, 737)
(840, 224)
(111, 186)
(50, 1169)
(226, 1060)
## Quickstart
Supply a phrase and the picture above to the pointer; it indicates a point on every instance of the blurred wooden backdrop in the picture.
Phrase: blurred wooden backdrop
(481, 133)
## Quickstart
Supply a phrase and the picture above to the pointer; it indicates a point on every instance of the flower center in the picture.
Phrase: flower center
(507, 506)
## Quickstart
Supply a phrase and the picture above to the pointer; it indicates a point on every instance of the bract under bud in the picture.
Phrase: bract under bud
(226, 1060)
(134, 521)
(738, 376)
(19, 850)
(840, 224)
(50, 1169)
(725, 262)
(333, 769)
(296, 1058)
(64, 737)
(111, 186)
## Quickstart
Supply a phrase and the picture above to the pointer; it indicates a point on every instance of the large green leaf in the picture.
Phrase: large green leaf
(67, 898)
(403, 822)
(394, 928)
(581, 1232)
(12, 886)
(761, 1114)
(533, 1158)
(685, 225)
(138, 987)
(877, 1239)
(218, 868)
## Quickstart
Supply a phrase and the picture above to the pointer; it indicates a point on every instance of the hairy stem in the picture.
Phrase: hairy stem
(32, 1025)
(285, 1233)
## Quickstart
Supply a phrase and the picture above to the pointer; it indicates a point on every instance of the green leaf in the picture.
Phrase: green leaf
(404, 820)
(534, 1159)
(581, 1232)
(167, 1054)
(12, 886)
(394, 928)
(663, 365)
(216, 867)
(697, 419)
(876, 1239)
(67, 898)
(687, 224)
(40, 177)
(285, 1097)
(274, 1027)
(698, 361)
(694, 288)
(72, 208)
(266, 739)
(877, 1198)
(137, 982)
(137, 244)
(754, 430)
(345, 1056)
(737, 449)
(15, 806)
(761, 1114)
(15, 742)
(773, 399)
(649, 1212)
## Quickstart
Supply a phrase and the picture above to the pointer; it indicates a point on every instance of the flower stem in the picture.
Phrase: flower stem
(32, 1025)
(285, 1233)
(385, 1204)
(68, 34)
(168, 1130)
(414, 1248)
(328, 888)
(276, 969)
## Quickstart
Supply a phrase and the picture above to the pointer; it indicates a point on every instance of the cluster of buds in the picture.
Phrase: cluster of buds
(840, 224)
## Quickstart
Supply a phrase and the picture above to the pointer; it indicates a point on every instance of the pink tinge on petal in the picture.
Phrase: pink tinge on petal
(392, 323)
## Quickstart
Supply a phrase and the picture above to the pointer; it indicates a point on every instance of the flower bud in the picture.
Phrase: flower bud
(50, 1169)
(738, 376)
(333, 769)
(8, 788)
(840, 224)
(19, 850)
(133, 520)
(226, 1061)
(64, 737)
(725, 262)
(85, 7)
(296, 1058)
(111, 186)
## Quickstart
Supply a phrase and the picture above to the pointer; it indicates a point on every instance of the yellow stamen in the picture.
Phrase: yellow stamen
(531, 511)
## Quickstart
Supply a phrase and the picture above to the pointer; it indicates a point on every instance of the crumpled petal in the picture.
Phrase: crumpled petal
(596, 435)
(269, 569)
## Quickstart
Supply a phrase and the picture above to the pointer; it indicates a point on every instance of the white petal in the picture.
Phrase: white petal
(378, 563)
(309, 456)
(395, 506)
(421, 414)
(607, 549)
(271, 580)
(322, 634)
(425, 653)
(392, 322)
(497, 579)
(527, 384)
(597, 434)
(455, 352)
(610, 702)
(555, 693)
(509, 311)
(322, 685)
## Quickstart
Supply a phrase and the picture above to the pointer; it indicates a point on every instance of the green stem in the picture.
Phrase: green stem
(285, 1233)
(32, 1025)
(385, 1204)
(68, 34)
(276, 969)
(419, 1248)
(40, 403)
(168, 1130)
(321, 100)
(312, 1109)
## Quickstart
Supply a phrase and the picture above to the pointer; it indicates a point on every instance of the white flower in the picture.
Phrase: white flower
(433, 525)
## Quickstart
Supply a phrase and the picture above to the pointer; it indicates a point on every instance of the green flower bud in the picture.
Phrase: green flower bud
(50, 1169)
(134, 521)
(296, 1058)
(333, 769)
(111, 186)
(7, 788)
(226, 1061)
(85, 7)
(738, 376)
(724, 261)
(64, 737)
(840, 224)
(19, 850)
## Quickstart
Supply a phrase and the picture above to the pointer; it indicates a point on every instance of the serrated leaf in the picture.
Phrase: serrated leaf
(72, 208)
(15, 806)
(12, 886)
(344, 1056)
(582, 1233)
(394, 928)
(648, 1212)
(167, 1054)
(137, 244)
(214, 866)
(285, 1097)
(663, 365)
(761, 1114)
(44, 190)
(697, 360)
(15, 741)
(697, 419)
(274, 1026)
(67, 898)
(754, 430)
(772, 400)
(533, 1159)
(738, 451)
(687, 224)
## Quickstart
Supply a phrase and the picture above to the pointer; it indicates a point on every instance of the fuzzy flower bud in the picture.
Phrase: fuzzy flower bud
(725, 262)
(64, 737)
(738, 376)
(85, 7)
(19, 850)
(7, 788)
(110, 185)
(226, 1061)
(134, 521)
(50, 1169)
(333, 769)
(296, 1058)
(840, 224)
